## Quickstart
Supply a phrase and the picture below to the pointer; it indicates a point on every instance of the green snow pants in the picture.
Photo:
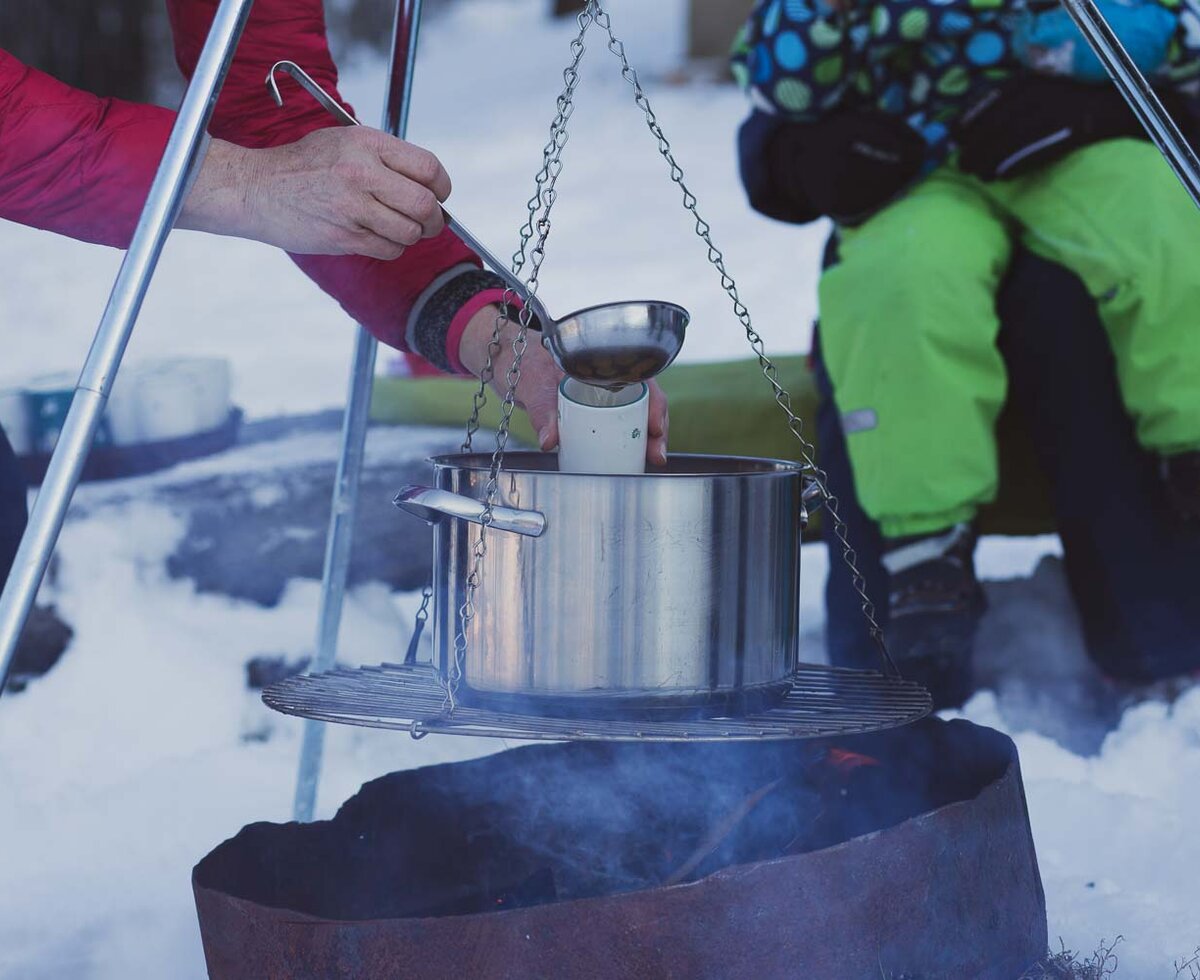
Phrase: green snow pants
(909, 325)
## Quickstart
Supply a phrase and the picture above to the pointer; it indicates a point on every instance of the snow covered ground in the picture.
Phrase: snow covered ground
(142, 749)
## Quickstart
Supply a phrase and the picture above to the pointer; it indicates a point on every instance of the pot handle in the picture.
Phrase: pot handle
(432, 505)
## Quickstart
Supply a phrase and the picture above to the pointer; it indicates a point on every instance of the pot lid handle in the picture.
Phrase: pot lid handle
(432, 505)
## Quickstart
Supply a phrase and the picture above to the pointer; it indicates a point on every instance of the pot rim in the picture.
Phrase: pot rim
(703, 465)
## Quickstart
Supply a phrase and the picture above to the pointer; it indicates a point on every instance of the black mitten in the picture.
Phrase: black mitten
(857, 162)
(846, 166)
(1033, 120)
(767, 147)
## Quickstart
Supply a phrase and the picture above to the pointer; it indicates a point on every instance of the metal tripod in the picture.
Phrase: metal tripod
(180, 161)
(339, 541)
(1132, 84)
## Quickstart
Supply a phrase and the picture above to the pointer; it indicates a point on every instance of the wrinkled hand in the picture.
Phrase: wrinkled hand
(337, 191)
(537, 392)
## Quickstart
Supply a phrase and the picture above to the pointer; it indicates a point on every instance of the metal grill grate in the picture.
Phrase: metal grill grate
(823, 701)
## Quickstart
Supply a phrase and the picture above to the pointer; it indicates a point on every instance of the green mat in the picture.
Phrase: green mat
(727, 408)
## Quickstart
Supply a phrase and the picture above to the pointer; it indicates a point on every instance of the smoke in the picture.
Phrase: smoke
(577, 820)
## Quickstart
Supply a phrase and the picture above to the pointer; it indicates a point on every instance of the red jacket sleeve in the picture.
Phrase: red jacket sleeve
(420, 301)
(71, 162)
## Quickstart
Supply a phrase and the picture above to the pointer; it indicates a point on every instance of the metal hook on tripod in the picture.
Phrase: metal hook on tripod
(309, 84)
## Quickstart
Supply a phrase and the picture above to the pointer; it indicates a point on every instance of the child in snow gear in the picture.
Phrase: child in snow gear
(1130, 567)
(926, 227)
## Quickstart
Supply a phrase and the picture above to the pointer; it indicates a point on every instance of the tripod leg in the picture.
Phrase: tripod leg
(354, 435)
(180, 159)
(1138, 93)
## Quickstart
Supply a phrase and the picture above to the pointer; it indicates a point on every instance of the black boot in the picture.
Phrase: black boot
(1182, 476)
(935, 604)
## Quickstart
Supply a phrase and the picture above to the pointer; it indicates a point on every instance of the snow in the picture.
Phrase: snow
(142, 749)
(1115, 832)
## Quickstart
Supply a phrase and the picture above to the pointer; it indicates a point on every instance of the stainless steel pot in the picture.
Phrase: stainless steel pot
(669, 590)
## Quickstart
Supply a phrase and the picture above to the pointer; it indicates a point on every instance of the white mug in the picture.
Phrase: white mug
(602, 431)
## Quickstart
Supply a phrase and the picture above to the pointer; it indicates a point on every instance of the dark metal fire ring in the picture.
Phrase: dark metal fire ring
(901, 854)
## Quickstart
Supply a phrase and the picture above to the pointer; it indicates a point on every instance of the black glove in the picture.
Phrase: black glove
(846, 166)
(857, 162)
(762, 154)
(1033, 120)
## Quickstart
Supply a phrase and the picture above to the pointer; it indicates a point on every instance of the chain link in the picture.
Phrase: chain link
(769, 370)
(539, 206)
(422, 618)
(537, 231)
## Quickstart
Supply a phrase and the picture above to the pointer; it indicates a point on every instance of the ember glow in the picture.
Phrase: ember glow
(846, 761)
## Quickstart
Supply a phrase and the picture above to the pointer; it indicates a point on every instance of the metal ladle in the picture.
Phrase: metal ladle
(611, 345)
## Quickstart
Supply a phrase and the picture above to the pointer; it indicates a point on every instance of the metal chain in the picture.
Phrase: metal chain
(537, 226)
(540, 203)
(422, 618)
(769, 370)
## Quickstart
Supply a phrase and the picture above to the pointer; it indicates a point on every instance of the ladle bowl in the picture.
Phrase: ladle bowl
(617, 344)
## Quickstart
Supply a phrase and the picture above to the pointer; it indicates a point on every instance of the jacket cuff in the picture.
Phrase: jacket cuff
(440, 315)
(458, 326)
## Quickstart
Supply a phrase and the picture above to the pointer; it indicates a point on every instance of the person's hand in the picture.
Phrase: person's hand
(1034, 120)
(854, 163)
(846, 166)
(338, 191)
(537, 392)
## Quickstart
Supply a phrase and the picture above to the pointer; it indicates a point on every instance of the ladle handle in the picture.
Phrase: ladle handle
(432, 506)
(335, 109)
(498, 267)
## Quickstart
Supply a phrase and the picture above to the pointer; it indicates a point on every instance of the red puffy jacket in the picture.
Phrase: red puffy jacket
(80, 165)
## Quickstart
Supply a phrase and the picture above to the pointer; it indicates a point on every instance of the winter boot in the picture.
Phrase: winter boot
(1182, 476)
(935, 605)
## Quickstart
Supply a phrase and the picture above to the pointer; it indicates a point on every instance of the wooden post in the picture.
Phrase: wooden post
(712, 25)
(101, 46)
(565, 8)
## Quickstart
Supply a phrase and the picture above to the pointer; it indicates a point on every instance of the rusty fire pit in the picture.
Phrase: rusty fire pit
(901, 854)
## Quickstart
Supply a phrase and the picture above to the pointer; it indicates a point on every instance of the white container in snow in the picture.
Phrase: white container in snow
(48, 399)
(151, 401)
(157, 401)
(122, 411)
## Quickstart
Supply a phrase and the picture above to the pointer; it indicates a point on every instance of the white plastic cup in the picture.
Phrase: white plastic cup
(602, 431)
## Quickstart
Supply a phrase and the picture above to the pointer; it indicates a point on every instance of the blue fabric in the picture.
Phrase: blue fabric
(1050, 42)
(926, 61)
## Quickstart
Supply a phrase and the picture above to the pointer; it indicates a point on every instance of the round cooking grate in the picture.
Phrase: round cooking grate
(822, 701)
